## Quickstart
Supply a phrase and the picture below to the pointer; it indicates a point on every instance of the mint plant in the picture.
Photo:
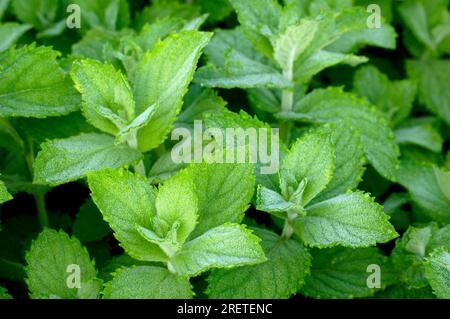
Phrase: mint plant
(315, 132)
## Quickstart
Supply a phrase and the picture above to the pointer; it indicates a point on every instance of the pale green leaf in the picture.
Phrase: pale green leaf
(281, 276)
(225, 246)
(106, 95)
(147, 282)
(127, 201)
(176, 202)
(240, 71)
(292, 42)
(46, 91)
(131, 130)
(351, 220)
(321, 60)
(224, 192)
(48, 272)
(349, 162)
(271, 201)
(163, 76)
(311, 158)
(333, 105)
(233, 62)
(437, 270)
(152, 33)
(259, 20)
(10, 32)
(65, 160)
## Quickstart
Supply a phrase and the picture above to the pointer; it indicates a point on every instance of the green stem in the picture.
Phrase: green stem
(39, 198)
(288, 229)
(39, 195)
(287, 102)
(139, 168)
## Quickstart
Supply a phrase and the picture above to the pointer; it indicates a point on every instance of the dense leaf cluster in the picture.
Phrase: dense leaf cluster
(363, 181)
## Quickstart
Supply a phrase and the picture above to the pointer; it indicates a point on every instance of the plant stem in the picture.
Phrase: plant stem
(287, 101)
(39, 198)
(288, 229)
(39, 195)
(139, 168)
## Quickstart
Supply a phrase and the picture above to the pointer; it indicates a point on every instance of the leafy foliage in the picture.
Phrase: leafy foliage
(350, 114)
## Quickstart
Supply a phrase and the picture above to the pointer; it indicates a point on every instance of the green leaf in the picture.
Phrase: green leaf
(224, 192)
(321, 60)
(197, 102)
(163, 76)
(176, 203)
(147, 282)
(239, 71)
(4, 294)
(48, 272)
(162, 9)
(281, 276)
(420, 180)
(415, 18)
(419, 132)
(349, 162)
(271, 201)
(233, 62)
(410, 251)
(342, 273)
(352, 32)
(39, 13)
(61, 127)
(89, 224)
(311, 158)
(293, 42)
(350, 220)
(432, 76)
(402, 292)
(437, 270)
(259, 20)
(46, 91)
(129, 132)
(4, 195)
(443, 179)
(393, 98)
(107, 98)
(10, 32)
(151, 33)
(97, 43)
(225, 246)
(127, 201)
(111, 15)
(217, 10)
(333, 105)
(62, 161)
(3, 7)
